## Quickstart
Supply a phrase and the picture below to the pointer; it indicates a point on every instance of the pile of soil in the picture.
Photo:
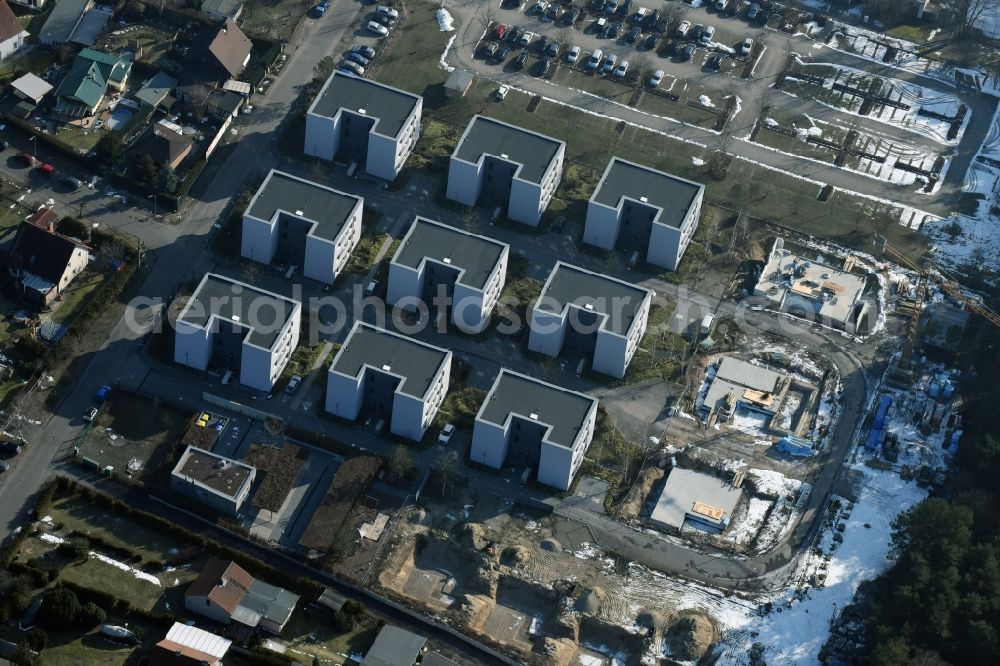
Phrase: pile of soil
(551, 545)
(473, 536)
(516, 556)
(690, 637)
(418, 516)
(653, 620)
(631, 507)
(590, 602)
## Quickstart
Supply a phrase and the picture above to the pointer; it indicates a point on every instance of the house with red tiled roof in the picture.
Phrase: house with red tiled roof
(42, 262)
(12, 33)
(226, 593)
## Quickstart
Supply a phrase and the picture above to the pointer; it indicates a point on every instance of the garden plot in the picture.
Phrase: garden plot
(916, 97)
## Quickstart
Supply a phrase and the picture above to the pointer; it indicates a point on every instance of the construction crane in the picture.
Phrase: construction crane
(915, 309)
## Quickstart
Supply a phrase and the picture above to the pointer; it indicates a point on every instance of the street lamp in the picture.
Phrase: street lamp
(153, 197)
(34, 144)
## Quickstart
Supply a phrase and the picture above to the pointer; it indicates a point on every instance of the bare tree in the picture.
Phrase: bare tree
(641, 64)
(251, 270)
(470, 219)
(444, 467)
(969, 12)
(275, 428)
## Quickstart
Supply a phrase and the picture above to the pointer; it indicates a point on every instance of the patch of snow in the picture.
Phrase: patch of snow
(705, 100)
(445, 22)
(443, 60)
(697, 161)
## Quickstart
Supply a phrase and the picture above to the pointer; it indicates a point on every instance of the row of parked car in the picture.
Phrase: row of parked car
(356, 59)
(383, 20)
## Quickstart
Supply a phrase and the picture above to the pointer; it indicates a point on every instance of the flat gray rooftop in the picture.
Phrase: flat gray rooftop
(390, 105)
(533, 151)
(624, 179)
(476, 255)
(239, 302)
(562, 409)
(326, 206)
(570, 285)
(394, 647)
(416, 361)
(684, 487)
(221, 474)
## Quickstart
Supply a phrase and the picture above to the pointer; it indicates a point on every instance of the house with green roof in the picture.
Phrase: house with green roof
(82, 90)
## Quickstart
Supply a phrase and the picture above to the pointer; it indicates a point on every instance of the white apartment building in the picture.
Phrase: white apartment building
(390, 377)
(234, 326)
(362, 121)
(436, 259)
(589, 315)
(499, 163)
(525, 422)
(641, 209)
(295, 222)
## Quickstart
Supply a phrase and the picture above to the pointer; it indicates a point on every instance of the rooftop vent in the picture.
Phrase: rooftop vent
(589, 306)
(503, 155)
(299, 213)
(644, 199)
(447, 260)
(236, 317)
(534, 416)
(362, 111)
(387, 367)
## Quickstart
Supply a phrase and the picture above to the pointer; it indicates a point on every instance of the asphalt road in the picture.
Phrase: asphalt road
(946, 200)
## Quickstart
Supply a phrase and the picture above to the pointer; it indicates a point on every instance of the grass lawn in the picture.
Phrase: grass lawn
(76, 513)
(794, 146)
(83, 140)
(145, 431)
(310, 637)
(74, 299)
(98, 575)
(154, 43)
(91, 649)
(273, 18)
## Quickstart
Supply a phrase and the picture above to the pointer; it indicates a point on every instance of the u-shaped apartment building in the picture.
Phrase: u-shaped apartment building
(495, 161)
(237, 327)
(638, 208)
(525, 422)
(360, 120)
(388, 376)
(590, 315)
(436, 259)
(296, 222)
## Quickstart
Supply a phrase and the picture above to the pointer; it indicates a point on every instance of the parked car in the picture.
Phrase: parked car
(595, 59)
(656, 79)
(597, 27)
(553, 12)
(384, 20)
(501, 93)
(651, 19)
(499, 31)
(542, 43)
(682, 28)
(387, 11)
(501, 54)
(753, 11)
(353, 67)
(90, 415)
(319, 10)
(610, 63)
(715, 62)
(746, 46)
(624, 8)
(538, 8)
(543, 66)
(377, 28)
(720, 5)
(490, 50)
(611, 6)
(10, 448)
(571, 15)
(527, 38)
(633, 34)
(27, 158)
(514, 34)
(354, 56)
(552, 50)
(696, 31)
(366, 51)
(520, 60)
(446, 434)
(573, 55)
(686, 53)
(622, 68)
(46, 169)
(707, 35)
(72, 183)
(597, 5)
(651, 41)
(293, 384)
(4, 465)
